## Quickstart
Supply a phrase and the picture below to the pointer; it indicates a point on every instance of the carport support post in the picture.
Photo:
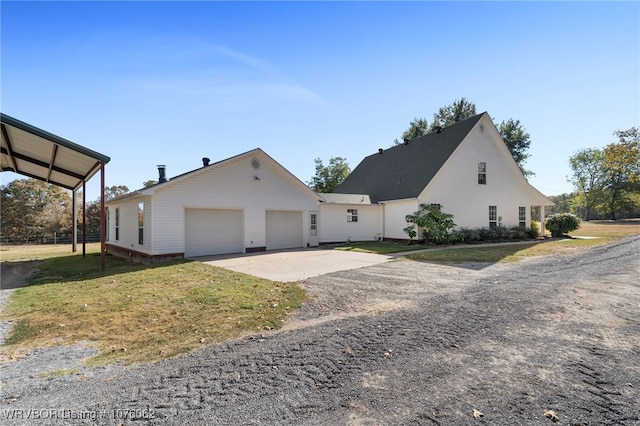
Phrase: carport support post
(542, 230)
(84, 218)
(74, 220)
(103, 221)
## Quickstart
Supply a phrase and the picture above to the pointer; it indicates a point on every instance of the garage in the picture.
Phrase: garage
(213, 231)
(284, 229)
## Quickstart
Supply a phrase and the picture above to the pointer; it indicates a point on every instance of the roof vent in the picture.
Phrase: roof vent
(406, 141)
(380, 150)
(438, 129)
(205, 161)
(162, 177)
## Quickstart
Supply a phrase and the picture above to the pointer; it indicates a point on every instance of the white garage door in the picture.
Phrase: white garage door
(212, 232)
(284, 230)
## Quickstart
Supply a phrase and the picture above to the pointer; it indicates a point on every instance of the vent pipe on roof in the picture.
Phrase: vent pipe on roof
(438, 129)
(162, 177)
(205, 161)
(380, 150)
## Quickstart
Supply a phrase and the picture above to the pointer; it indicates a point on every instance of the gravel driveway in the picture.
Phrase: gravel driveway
(401, 343)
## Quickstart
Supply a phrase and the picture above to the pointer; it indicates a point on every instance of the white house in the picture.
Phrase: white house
(251, 203)
(466, 168)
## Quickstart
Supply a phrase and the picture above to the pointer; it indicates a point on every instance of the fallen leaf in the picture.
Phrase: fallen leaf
(550, 414)
(477, 414)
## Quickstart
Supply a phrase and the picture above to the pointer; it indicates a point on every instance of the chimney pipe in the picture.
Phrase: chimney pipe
(205, 161)
(161, 172)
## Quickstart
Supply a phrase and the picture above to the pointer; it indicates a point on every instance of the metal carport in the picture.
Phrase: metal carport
(38, 154)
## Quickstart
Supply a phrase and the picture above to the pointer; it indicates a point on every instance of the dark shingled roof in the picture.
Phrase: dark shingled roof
(403, 171)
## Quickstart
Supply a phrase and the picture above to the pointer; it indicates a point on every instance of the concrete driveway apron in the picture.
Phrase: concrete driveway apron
(295, 265)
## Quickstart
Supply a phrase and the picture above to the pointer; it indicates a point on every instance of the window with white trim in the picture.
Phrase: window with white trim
(117, 223)
(314, 224)
(522, 216)
(482, 173)
(352, 215)
(493, 217)
(140, 223)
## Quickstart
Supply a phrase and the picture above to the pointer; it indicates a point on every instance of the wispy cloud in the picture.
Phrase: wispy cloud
(192, 68)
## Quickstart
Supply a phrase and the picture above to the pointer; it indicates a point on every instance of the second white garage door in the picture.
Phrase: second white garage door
(210, 232)
(284, 230)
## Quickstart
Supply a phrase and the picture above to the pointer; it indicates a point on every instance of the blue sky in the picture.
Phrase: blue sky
(150, 83)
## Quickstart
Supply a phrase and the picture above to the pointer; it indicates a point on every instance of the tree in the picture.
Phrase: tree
(111, 192)
(31, 209)
(513, 134)
(588, 177)
(418, 127)
(621, 167)
(459, 110)
(518, 141)
(434, 224)
(327, 178)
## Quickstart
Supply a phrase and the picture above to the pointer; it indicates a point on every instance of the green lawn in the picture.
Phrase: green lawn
(381, 247)
(136, 313)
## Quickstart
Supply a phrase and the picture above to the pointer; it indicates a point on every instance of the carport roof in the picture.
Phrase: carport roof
(33, 152)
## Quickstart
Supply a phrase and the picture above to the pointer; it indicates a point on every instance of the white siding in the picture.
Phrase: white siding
(394, 217)
(333, 225)
(128, 234)
(233, 184)
(456, 186)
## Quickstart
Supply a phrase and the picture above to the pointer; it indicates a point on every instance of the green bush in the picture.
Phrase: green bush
(562, 223)
(434, 224)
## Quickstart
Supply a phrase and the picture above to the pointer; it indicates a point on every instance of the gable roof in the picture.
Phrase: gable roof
(176, 179)
(403, 171)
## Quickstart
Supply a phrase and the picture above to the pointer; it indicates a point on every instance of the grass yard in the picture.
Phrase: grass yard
(136, 313)
(41, 251)
(602, 232)
(380, 247)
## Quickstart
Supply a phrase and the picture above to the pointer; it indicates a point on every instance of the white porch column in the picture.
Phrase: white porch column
(542, 220)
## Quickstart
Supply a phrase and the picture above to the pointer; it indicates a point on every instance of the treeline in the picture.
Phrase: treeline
(33, 211)
(606, 181)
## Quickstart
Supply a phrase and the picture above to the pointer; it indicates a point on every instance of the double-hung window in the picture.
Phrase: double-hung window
(117, 223)
(493, 217)
(352, 215)
(482, 173)
(140, 223)
(522, 216)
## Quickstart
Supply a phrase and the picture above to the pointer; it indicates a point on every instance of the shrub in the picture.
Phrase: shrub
(534, 230)
(435, 225)
(562, 223)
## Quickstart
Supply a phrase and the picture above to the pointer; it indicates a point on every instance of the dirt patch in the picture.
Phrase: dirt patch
(16, 274)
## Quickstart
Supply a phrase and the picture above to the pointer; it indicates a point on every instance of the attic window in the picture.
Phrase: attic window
(352, 215)
(482, 173)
